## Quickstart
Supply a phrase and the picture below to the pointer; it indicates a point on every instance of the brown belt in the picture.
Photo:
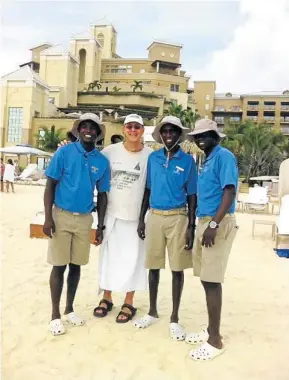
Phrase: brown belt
(176, 211)
(209, 218)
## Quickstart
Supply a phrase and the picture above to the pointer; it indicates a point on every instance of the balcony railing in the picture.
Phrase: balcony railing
(269, 107)
(253, 118)
(236, 109)
(219, 120)
(235, 119)
(253, 107)
(284, 119)
(231, 109)
(284, 108)
(269, 119)
(285, 130)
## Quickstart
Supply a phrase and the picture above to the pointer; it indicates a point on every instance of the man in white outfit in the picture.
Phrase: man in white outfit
(121, 256)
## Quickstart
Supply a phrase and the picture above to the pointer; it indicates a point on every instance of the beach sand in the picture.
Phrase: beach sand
(255, 321)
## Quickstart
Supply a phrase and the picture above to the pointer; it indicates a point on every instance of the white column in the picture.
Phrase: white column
(101, 115)
(158, 67)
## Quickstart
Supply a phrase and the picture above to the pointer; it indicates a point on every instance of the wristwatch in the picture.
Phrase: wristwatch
(213, 225)
(101, 228)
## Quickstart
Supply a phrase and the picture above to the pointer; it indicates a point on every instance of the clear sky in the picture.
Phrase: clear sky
(243, 45)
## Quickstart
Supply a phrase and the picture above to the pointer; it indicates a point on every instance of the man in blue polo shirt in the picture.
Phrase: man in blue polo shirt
(171, 195)
(74, 172)
(215, 233)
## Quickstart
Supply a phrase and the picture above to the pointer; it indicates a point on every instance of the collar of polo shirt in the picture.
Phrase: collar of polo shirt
(213, 153)
(81, 149)
(161, 154)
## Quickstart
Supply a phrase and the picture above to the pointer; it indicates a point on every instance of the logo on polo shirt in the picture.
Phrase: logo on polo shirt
(137, 167)
(178, 170)
(94, 169)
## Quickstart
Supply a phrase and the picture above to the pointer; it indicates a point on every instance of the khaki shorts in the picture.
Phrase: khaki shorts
(71, 241)
(167, 231)
(210, 263)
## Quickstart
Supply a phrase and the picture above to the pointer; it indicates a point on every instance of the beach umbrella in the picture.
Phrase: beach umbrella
(24, 150)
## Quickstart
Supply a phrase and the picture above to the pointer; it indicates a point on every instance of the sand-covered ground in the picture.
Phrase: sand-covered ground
(255, 322)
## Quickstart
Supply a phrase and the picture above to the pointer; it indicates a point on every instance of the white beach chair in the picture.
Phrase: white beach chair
(27, 172)
(257, 199)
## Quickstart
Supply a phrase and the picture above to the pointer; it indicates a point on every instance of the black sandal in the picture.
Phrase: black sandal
(104, 310)
(128, 316)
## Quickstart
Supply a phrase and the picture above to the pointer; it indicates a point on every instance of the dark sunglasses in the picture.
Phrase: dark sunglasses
(136, 127)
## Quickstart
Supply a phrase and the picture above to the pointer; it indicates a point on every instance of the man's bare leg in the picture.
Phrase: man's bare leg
(177, 288)
(72, 284)
(214, 305)
(154, 279)
(56, 285)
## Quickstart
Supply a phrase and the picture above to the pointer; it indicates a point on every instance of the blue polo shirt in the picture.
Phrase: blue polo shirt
(170, 186)
(219, 170)
(78, 173)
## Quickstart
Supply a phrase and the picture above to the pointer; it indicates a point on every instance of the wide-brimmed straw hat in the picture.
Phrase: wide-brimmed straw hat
(92, 117)
(202, 126)
(169, 120)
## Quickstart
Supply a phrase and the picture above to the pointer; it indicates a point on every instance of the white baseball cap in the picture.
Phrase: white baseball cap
(133, 118)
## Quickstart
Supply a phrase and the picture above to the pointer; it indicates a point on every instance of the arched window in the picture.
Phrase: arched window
(100, 38)
(82, 64)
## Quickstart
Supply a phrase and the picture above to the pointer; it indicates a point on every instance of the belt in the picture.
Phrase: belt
(209, 218)
(72, 213)
(176, 211)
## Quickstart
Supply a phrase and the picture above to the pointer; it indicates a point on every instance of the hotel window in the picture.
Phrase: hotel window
(207, 107)
(100, 39)
(15, 123)
(51, 100)
(142, 71)
(175, 87)
(122, 69)
(207, 97)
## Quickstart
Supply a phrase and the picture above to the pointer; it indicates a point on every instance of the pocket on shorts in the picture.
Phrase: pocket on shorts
(228, 229)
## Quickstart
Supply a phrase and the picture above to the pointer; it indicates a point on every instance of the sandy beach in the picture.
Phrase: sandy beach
(255, 320)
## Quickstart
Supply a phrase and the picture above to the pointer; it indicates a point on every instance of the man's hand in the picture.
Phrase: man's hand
(62, 143)
(141, 230)
(209, 237)
(98, 237)
(49, 227)
(190, 237)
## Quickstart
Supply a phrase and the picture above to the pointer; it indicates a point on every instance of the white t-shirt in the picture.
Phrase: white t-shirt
(128, 180)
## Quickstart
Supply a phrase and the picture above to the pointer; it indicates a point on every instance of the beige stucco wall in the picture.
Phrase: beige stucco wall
(121, 99)
(31, 97)
(201, 90)
(62, 72)
(156, 53)
(109, 46)
(35, 53)
(93, 60)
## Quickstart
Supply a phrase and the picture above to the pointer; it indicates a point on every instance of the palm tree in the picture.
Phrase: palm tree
(94, 84)
(116, 89)
(258, 149)
(50, 139)
(137, 84)
(187, 117)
